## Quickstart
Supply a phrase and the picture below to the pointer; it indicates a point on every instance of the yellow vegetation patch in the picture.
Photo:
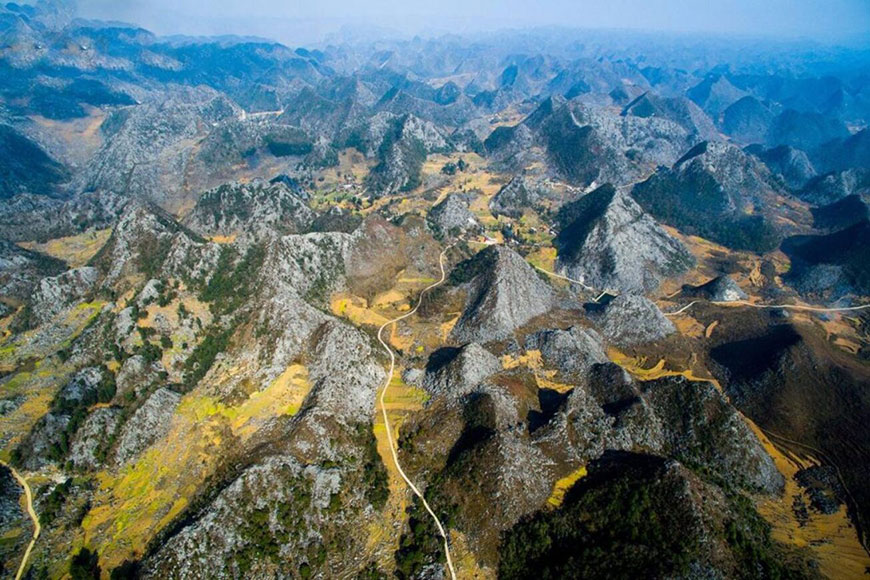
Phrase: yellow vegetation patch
(830, 538)
(224, 239)
(636, 366)
(708, 332)
(688, 326)
(530, 358)
(74, 250)
(544, 257)
(400, 400)
(149, 493)
(466, 565)
(355, 309)
(563, 485)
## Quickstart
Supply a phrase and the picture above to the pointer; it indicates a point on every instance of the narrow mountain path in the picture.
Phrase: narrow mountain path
(390, 439)
(31, 512)
(719, 303)
(786, 306)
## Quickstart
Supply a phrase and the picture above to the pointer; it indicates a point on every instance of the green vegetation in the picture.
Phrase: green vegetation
(620, 521)
(85, 566)
(203, 356)
(699, 207)
(234, 280)
(262, 541)
(77, 411)
(50, 505)
(420, 545)
(374, 473)
(451, 168)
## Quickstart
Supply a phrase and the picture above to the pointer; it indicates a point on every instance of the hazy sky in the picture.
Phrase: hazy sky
(298, 22)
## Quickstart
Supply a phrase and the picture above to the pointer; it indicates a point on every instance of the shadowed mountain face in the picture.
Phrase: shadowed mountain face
(600, 267)
(714, 191)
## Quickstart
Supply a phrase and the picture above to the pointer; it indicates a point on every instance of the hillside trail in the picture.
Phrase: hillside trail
(388, 429)
(28, 494)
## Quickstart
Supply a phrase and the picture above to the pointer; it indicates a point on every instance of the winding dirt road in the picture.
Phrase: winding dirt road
(31, 512)
(786, 306)
(390, 438)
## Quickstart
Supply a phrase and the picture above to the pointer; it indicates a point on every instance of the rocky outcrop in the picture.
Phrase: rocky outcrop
(254, 210)
(608, 242)
(629, 320)
(147, 241)
(406, 142)
(834, 186)
(90, 443)
(671, 417)
(516, 196)
(504, 293)
(572, 352)
(588, 146)
(747, 121)
(677, 109)
(715, 191)
(792, 165)
(29, 217)
(719, 289)
(149, 423)
(454, 372)
(56, 293)
(47, 434)
(452, 215)
(21, 270)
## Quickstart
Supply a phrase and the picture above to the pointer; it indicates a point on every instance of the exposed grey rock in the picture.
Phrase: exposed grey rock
(629, 320)
(589, 146)
(719, 289)
(148, 424)
(672, 417)
(835, 186)
(93, 437)
(256, 210)
(56, 293)
(454, 372)
(407, 140)
(148, 241)
(147, 146)
(517, 195)
(700, 426)
(452, 215)
(790, 164)
(81, 388)
(21, 270)
(46, 433)
(572, 351)
(608, 242)
(343, 373)
(680, 110)
(719, 192)
(504, 293)
(28, 217)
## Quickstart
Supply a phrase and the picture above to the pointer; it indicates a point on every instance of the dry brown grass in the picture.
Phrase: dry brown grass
(74, 250)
